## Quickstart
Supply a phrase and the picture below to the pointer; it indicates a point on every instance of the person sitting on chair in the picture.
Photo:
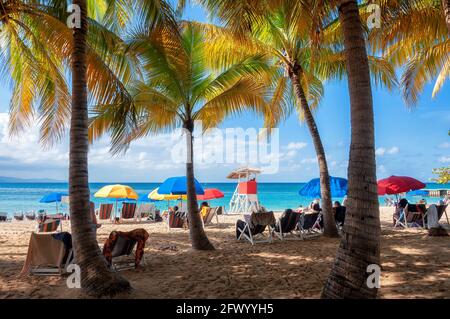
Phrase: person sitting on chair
(204, 209)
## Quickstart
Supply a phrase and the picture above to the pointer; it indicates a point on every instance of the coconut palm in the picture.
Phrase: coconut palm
(414, 35)
(360, 245)
(282, 30)
(179, 88)
(37, 48)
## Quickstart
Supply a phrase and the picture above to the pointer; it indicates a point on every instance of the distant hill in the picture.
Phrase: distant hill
(4, 179)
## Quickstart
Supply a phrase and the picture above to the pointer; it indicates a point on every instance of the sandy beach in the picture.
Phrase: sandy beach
(413, 264)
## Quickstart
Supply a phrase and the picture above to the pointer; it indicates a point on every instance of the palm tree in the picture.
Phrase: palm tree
(179, 88)
(282, 31)
(95, 275)
(415, 37)
(446, 9)
(360, 245)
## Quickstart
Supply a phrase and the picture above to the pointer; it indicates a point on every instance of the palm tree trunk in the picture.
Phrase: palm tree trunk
(446, 7)
(330, 229)
(96, 279)
(199, 240)
(360, 245)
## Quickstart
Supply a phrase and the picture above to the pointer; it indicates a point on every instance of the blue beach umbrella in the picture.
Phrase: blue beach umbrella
(54, 197)
(338, 185)
(177, 186)
(144, 198)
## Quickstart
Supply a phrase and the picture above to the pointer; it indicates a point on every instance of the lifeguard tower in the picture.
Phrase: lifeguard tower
(245, 197)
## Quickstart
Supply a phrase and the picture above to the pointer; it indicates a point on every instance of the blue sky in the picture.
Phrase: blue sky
(409, 142)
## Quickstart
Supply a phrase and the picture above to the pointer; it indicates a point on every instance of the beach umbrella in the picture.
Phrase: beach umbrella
(117, 192)
(338, 186)
(210, 193)
(398, 184)
(146, 199)
(178, 186)
(156, 196)
(54, 197)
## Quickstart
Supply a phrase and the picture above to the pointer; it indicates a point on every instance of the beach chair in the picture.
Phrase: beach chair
(145, 211)
(213, 212)
(128, 211)
(252, 229)
(3, 217)
(119, 248)
(48, 254)
(176, 220)
(309, 225)
(287, 225)
(441, 210)
(104, 212)
(18, 216)
(30, 215)
(49, 225)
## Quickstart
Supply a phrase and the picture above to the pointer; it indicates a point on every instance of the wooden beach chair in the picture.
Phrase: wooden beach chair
(252, 229)
(104, 212)
(309, 225)
(287, 225)
(128, 211)
(48, 254)
(125, 250)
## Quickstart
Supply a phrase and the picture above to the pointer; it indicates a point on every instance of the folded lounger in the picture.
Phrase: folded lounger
(254, 225)
(287, 225)
(120, 246)
(48, 254)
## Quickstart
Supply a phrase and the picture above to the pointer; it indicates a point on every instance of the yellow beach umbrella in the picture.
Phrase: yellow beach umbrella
(118, 192)
(154, 195)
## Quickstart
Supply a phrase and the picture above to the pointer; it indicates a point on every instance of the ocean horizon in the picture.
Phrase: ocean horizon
(23, 197)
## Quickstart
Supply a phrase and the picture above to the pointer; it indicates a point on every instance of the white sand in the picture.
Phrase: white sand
(413, 265)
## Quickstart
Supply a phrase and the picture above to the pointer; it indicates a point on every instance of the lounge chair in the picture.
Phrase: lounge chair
(30, 215)
(48, 254)
(49, 225)
(213, 212)
(253, 227)
(119, 247)
(3, 217)
(440, 210)
(18, 216)
(104, 212)
(145, 211)
(128, 211)
(176, 220)
(309, 225)
(287, 225)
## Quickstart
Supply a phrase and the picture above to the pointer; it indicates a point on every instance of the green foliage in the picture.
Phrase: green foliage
(443, 175)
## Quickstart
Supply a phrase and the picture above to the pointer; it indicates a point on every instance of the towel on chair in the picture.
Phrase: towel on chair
(139, 235)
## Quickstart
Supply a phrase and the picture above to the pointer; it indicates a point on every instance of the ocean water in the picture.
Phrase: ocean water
(16, 197)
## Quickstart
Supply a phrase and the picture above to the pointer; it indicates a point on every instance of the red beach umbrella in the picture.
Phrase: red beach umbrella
(398, 184)
(210, 193)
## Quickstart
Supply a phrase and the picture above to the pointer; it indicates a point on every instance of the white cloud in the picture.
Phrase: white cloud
(445, 159)
(296, 146)
(309, 160)
(381, 151)
(445, 145)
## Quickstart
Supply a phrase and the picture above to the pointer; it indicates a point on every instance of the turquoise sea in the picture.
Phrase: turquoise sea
(16, 197)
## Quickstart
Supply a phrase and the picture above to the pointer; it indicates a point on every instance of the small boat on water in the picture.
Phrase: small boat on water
(18, 216)
(30, 216)
(3, 217)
